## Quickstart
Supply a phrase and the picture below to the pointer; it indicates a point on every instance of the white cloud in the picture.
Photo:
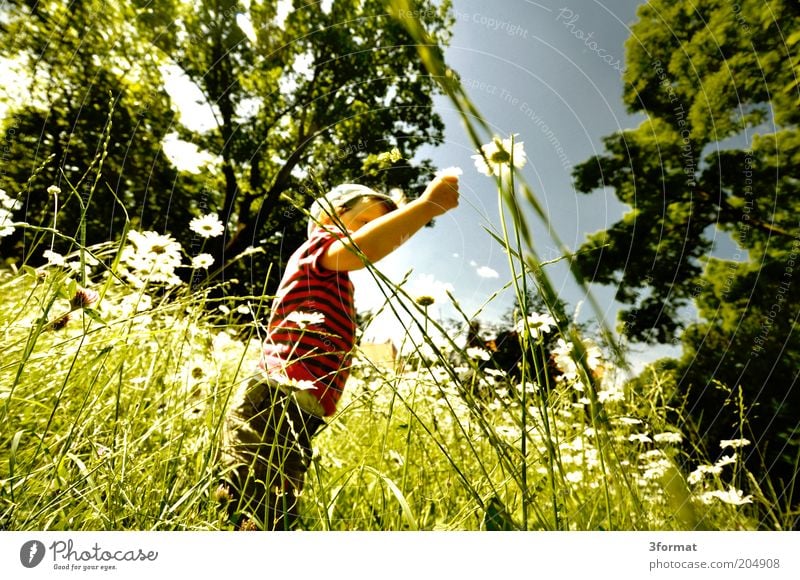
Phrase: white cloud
(487, 272)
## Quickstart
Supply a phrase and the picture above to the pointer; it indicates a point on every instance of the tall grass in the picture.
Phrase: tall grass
(112, 422)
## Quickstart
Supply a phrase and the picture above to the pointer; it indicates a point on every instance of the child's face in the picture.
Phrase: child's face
(362, 213)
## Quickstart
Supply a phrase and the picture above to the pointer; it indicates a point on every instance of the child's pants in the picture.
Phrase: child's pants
(267, 448)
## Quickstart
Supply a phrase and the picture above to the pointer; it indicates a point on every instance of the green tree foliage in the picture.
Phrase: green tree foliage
(305, 97)
(85, 68)
(716, 155)
(309, 99)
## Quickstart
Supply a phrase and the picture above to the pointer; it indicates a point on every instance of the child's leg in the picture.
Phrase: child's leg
(267, 443)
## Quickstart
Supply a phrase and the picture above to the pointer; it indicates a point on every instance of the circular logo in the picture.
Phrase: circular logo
(31, 553)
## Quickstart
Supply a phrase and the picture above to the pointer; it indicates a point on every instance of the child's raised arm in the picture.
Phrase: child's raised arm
(383, 235)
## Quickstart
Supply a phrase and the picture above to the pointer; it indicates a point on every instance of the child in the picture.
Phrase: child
(311, 333)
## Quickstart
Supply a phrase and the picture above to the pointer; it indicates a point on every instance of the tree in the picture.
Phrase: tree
(706, 75)
(303, 101)
(85, 69)
(690, 70)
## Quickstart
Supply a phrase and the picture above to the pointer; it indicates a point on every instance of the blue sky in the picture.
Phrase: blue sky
(550, 72)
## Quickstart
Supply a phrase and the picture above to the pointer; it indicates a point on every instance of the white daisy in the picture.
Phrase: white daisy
(150, 257)
(732, 496)
(499, 155)
(53, 258)
(6, 229)
(699, 474)
(478, 353)
(726, 460)
(640, 437)
(202, 261)
(733, 443)
(302, 319)
(207, 226)
(538, 324)
(7, 203)
(668, 437)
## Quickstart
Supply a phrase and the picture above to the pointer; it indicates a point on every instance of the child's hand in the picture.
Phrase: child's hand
(441, 195)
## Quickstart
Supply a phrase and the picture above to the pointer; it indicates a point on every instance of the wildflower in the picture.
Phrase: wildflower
(613, 394)
(640, 437)
(150, 257)
(7, 207)
(60, 322)
(538, 324)
(302, 319)
(574, 476)
(245, 309)
(207, 226)
(732, 496)
(6, 229)
(7, 203)
(656, 469)
(202, 261)
(84, 298)
(699, 474)
(478, 353)
(53, 258)
(53, 190)
(425, 300)
(726, 460)
(652, 455)
(88, 260)
(222, 494)
(134, 303)
(668, 437)
(629, 420)
(224, 309)
(499, 155)
(299, 385)
(733, 443)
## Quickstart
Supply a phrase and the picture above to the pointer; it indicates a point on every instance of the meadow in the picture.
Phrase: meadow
(115, 377)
